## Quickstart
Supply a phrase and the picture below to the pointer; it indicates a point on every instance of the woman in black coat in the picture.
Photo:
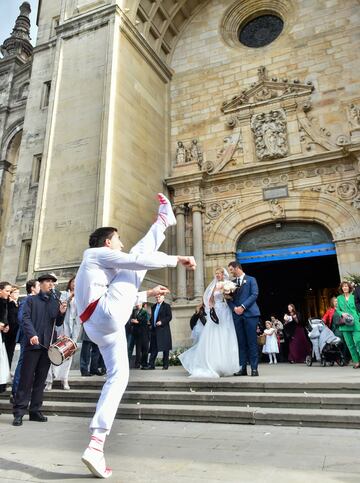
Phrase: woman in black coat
(11, 336)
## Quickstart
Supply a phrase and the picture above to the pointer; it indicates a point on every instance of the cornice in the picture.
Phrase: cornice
(262, 168)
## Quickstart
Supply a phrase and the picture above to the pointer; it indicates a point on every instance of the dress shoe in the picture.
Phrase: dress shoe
(254, 372)
(38, 416)
(97, 373)
(242, 372)
(165, 368)
(148, 368)
(17, 421)
(86, 374)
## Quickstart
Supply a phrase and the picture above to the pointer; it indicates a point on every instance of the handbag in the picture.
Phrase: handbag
(261, 339)
(213, 315)
(347, 320)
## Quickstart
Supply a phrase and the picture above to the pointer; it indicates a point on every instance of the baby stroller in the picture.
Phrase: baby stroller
(327, 347)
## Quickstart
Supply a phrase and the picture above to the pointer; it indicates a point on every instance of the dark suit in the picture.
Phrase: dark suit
(40, 313)
(357, 298)
(160, 334)
(245, 324)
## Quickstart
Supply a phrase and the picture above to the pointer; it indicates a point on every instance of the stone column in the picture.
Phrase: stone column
(180, 249)
(197, 209)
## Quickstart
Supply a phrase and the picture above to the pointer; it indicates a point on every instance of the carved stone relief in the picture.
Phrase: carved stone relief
(348, 191)
(267, 90)
(353, 113)
(313, 135)
(277, 211)
(270, 133)
(229, 152)
(190, 154)
(215, 209)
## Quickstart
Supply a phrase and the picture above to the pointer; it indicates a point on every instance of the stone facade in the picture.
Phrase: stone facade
(128, 95)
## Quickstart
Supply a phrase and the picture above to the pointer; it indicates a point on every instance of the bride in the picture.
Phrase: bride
(216, 353)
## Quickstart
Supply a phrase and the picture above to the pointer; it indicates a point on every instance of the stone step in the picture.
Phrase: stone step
(222, 385)
(252, 399)
(214, 414)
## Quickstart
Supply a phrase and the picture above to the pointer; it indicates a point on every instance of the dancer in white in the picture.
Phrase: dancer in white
(106, 290)
(216, 354)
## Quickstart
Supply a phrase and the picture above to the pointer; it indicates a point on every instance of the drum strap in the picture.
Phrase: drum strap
(89, 311)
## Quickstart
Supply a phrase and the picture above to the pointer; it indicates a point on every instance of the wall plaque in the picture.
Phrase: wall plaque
(276, 192)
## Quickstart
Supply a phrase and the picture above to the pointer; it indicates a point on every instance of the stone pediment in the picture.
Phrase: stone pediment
(266, 91)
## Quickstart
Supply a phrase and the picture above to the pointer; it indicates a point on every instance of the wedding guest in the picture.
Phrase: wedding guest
(11, 335)
(160, 319)
(351, 333)
(140, 331)
(357, 298)
(5, 289)
(71, 329)
(280, 336)
(299, 344)
(271, 345)
(89, 356)
(329, 314)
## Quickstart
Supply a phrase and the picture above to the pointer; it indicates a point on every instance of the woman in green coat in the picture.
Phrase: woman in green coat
(351, 333)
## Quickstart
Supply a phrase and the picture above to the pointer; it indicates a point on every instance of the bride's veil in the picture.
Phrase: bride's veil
(210, 288)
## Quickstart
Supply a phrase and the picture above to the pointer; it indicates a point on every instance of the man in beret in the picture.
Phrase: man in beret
(40, 313)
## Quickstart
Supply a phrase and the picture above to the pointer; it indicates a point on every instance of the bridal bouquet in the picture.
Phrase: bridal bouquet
(228, 288)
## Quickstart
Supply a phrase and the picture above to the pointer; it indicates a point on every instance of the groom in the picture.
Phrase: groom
(246, 317)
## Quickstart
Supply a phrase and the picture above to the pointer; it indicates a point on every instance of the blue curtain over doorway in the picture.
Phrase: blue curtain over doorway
(288, 253)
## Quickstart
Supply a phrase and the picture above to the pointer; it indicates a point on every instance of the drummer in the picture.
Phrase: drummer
(41, 312)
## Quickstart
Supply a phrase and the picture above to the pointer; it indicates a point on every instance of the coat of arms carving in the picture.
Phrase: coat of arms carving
(270, 133)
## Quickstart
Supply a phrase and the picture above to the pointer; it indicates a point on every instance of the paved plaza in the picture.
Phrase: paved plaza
(176, 452)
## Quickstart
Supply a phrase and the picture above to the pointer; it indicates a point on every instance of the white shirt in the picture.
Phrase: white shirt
(100, 265)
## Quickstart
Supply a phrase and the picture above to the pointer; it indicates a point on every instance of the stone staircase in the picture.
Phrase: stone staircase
(324, 404)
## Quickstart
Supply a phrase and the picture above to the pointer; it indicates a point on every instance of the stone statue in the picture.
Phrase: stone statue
(270, 135)
(181, 153)
(354, 117)
(195, 153)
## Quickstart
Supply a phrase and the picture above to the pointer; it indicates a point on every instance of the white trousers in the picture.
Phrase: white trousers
(106, 327)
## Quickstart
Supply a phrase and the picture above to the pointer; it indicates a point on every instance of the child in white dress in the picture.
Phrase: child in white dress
(271, 345)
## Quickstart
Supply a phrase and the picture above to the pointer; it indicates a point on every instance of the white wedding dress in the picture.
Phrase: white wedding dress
(216, 354)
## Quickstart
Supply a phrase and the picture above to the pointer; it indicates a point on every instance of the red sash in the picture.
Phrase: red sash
(89, 311)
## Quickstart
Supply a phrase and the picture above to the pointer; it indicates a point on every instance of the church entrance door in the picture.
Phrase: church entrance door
(293, 262)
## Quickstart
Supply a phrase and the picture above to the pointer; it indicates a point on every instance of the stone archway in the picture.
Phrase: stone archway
(340, 218)
(293, 262)
(11, 148)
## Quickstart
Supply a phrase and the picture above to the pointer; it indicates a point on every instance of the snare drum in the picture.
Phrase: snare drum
(61, 350)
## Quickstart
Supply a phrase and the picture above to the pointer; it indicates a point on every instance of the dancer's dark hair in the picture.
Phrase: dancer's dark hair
(98, 237)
